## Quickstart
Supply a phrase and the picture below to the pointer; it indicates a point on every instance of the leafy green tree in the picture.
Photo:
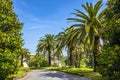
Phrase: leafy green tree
(109, 56)
(89, 24)
(47, 43)
(112, 16)
(10, 39)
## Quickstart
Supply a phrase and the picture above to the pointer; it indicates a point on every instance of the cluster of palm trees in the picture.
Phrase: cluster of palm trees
(85, 33)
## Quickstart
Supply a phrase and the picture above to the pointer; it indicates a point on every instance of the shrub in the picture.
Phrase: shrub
(8, 64)
(55, 65)
(44, 63)
(109, 62)
(38, 61)
(20, 72)
(67, 61)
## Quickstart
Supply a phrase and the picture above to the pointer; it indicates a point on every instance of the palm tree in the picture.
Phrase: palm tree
(59, 44)
(90, 23)
(24, 54)
(65, 40)
(46, 44)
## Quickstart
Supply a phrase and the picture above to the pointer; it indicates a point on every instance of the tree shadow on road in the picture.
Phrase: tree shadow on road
(55, 75)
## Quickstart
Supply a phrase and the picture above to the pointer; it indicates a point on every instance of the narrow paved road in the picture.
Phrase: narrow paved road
(51, 75)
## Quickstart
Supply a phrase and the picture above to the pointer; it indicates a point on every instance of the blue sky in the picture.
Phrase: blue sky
(42, 17)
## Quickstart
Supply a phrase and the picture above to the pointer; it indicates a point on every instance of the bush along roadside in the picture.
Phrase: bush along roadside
(21, 72)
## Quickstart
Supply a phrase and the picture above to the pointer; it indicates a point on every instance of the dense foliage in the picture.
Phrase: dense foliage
(112, 22)
(109, 56)
(38, 61)
(8, 64)
(109, 62)
(10, 39)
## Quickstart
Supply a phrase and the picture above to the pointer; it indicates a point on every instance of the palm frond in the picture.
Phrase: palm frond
(97, 7)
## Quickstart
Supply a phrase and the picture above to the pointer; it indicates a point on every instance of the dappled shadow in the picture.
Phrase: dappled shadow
(56, 75)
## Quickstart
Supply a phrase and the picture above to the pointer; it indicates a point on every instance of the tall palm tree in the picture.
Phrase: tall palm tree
(66, 40)
(90, 23)
(69, 42)
(59, 44)
(46, 43)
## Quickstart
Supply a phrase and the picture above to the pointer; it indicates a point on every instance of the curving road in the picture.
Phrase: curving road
(51, 75)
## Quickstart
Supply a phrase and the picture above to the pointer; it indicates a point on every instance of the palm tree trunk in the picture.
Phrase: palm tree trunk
(80, 58)
(77, 61)
(71, 58)
(49, 58)
(95, 50)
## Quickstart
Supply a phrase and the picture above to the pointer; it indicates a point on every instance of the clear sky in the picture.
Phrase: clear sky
(42, 17)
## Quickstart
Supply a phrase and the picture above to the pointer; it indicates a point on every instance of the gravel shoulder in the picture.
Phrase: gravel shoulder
(51, 75)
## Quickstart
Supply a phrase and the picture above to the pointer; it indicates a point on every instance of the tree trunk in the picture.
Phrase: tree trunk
(77, 57)
(49, 58)
(95, 50)
(77, 61)
(71, 58)
(80, 58)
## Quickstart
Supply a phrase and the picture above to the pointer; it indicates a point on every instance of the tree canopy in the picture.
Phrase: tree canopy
(10, 39)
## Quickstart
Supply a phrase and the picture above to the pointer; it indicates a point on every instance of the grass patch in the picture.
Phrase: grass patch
(20, 72)
(84, 72)
(34, 68)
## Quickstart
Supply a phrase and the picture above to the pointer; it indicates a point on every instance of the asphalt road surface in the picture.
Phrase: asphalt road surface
(51, 75)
